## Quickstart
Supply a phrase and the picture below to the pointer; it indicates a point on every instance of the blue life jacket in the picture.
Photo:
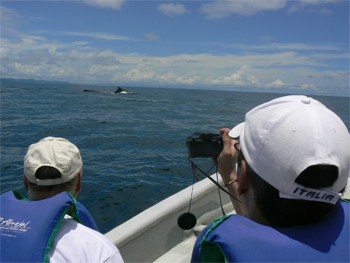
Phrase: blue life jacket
(85, 217)
(236, 239)
(28, 228)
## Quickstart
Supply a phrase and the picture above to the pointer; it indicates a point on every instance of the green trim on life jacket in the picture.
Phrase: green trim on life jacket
(212, 252)
(58, 224)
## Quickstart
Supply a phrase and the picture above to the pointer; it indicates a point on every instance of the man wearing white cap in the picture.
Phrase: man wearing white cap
(288, 163)
(52, 226)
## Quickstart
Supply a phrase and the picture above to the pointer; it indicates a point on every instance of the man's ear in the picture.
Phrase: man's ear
(79, 185)
(25, 180)
(244, 180)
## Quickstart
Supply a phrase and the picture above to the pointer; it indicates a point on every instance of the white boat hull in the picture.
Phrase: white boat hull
(154, 236)
(148, 236)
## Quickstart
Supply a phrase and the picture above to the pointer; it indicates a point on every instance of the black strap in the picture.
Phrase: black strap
(194, 166)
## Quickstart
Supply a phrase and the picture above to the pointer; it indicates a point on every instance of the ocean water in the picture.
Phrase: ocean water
(133, 145)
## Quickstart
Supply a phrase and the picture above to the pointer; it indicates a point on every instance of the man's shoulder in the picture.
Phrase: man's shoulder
(74, 240)
(77, 230)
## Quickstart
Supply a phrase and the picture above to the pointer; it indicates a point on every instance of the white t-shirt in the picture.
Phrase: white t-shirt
(75, 242)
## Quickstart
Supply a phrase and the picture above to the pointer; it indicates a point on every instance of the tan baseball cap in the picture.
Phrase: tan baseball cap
(54, 152)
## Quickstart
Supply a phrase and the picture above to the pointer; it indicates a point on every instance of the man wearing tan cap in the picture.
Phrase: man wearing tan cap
(288, 165)
(52, 226)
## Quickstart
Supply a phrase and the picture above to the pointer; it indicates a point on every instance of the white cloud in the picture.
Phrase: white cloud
(96, 35)
(300, 88)
(317, 2)
(308, 86)
(37, 57)
(294, 46)
(141, 73)
(242, 77)
(114, 4)
(151, 36)
(276, 84)
(103, 70)
(171, 9)
(8, 15)
(10, 20)
(188, 80)
(27, 69)
(222, 8)
(315, 6)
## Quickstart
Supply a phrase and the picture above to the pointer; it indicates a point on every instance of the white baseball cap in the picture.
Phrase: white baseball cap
(283, 137)
(54, 152)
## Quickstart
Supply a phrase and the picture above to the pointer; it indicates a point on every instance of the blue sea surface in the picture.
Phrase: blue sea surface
(133, 145)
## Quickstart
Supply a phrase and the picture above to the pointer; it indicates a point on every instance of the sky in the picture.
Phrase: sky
(291, 46)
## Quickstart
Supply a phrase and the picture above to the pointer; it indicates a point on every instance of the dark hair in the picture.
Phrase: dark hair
(284, 212)
(48, 172)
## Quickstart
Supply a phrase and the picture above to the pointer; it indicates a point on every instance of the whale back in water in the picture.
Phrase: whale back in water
(90, 90)
(120, 90)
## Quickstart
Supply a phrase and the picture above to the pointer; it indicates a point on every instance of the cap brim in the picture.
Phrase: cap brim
(236, 131)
